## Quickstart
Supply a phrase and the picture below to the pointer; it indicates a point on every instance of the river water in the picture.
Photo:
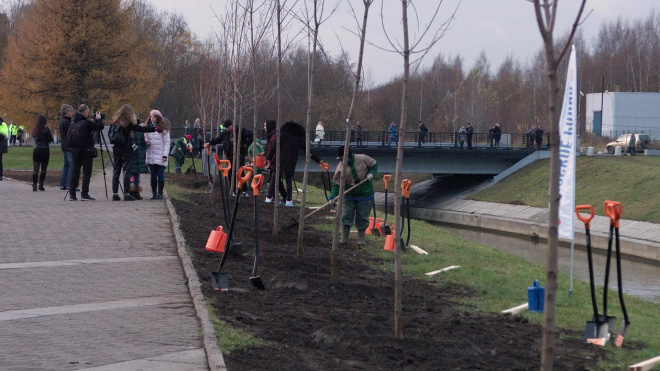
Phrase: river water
(640, 279)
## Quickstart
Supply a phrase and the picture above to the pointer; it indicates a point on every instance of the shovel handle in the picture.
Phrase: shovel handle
(242, 179)
(386, 179)
(220, 164)
(334, 199)
(257, 181)
(324, 166)
(585, 219)
(613, 210)
(405, 188)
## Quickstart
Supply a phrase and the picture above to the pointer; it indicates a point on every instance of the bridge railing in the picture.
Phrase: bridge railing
(376, 139)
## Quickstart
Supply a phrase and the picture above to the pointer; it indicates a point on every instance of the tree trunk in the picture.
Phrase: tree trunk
(334, 269)
(310, 100)
(276, 177)
(398, 275)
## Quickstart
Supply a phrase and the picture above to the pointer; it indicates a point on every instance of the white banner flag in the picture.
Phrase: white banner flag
(567, 143)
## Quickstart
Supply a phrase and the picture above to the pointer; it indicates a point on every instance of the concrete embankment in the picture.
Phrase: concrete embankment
(638, 240)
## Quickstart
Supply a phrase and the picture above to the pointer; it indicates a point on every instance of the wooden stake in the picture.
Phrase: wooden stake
(442, 270)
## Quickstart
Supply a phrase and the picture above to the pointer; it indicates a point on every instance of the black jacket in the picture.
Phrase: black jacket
(228, 144)
(63, 129)
(497, 133)
(91, 128)
(43, 140)
(128, 137)
(291, 142)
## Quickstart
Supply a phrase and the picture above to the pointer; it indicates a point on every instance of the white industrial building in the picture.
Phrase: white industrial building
(612, 114)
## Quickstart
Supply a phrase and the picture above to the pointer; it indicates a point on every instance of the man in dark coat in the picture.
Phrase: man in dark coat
(469, 130)
(497, 134)
(227, 140)
(292, 140)
(63, 128)
(83, 157)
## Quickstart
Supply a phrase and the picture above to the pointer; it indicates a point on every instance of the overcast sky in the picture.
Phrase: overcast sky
(497, 27)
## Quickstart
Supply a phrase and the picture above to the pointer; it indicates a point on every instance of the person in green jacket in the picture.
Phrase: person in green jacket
(138, 163)
(357, 203)
(19, 135)
(179, 148)
(259, 157)
(13, 129)
(4, 134)
(631, 145)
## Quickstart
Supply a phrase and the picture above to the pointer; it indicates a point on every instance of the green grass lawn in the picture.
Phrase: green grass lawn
(499, 280)
(633, 181)
(20, 158)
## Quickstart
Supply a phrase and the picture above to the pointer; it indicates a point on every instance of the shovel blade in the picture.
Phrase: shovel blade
(198, 183)
(220, 281)
(257, 283)
(618, 341)
(209, 187)
(597, 333)
(375, 232)
(385, 230)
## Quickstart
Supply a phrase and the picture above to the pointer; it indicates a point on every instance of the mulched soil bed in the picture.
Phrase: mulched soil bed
(311, 323)
(52, 177)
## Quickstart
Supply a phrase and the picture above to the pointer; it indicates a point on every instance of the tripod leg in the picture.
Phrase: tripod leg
(103, 163)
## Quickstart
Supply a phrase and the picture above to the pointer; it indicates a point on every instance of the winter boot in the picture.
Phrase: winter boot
(154, 194)
(161, 185)
(137, 195)
(345, 231)
(361, 237)
(42, 178)
(34, 182)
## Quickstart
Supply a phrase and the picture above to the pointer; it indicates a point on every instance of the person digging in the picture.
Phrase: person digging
(357, 203)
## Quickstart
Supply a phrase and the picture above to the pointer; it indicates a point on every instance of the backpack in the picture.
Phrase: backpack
(77, 136)
(116, 136)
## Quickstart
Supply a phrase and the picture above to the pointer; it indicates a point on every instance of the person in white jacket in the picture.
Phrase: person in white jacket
(158, 149)
(320, 132)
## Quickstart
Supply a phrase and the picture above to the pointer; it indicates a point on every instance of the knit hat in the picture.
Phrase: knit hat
(188, 136)
(227, 123)
(155, 112)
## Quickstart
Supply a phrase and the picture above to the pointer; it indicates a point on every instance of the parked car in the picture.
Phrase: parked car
(642, 142)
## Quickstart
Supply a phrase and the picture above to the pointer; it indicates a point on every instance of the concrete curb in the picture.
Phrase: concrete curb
(213, 353)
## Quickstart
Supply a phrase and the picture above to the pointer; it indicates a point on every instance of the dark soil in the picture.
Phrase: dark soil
(311, 323)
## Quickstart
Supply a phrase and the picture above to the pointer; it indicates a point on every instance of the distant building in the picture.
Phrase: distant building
(612, 114)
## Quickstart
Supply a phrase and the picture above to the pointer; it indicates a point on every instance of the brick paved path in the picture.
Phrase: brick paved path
(93, 284)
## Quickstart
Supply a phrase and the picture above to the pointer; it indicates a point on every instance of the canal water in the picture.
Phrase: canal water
(640, 279)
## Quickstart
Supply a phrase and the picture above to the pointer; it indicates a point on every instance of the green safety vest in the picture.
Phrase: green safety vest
(13, 129)
(3, 129)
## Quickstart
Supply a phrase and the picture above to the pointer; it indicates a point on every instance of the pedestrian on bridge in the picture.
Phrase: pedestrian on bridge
(394, 135)
(469, 130)
(497, 134)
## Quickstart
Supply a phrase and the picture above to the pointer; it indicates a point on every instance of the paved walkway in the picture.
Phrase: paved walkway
(92, 285)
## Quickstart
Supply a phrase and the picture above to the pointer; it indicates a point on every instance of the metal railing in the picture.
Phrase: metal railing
(430, 140)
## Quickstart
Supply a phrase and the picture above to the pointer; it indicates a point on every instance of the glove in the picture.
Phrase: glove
(370, 176)
(159, 130)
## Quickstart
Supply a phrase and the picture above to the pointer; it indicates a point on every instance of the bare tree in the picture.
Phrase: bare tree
(312, 23)
(546, 13)
(414, 48)
(334, 269)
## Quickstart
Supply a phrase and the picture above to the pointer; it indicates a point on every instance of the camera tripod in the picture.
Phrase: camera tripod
(105, 183)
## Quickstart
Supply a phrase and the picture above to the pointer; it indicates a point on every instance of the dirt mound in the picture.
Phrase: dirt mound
(311, 323)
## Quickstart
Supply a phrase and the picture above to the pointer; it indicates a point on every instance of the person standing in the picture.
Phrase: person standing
(539, 136)
(359, 135)
(41, 152)
(497, 134)
(227, 140)
(158, 147)
(63, 129)
(531, 136)
(4, 135)
(271, 131)
(19, 135)
(320, 132)
(357, 203)
(469, 130)
(394, 134)
(122, 152)
(139, 161)
(462, 136)
(292, 141)
(422, 133)
(631, 145)
(81, 143)
(13, 129)
(187, 128)
(179, 149)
